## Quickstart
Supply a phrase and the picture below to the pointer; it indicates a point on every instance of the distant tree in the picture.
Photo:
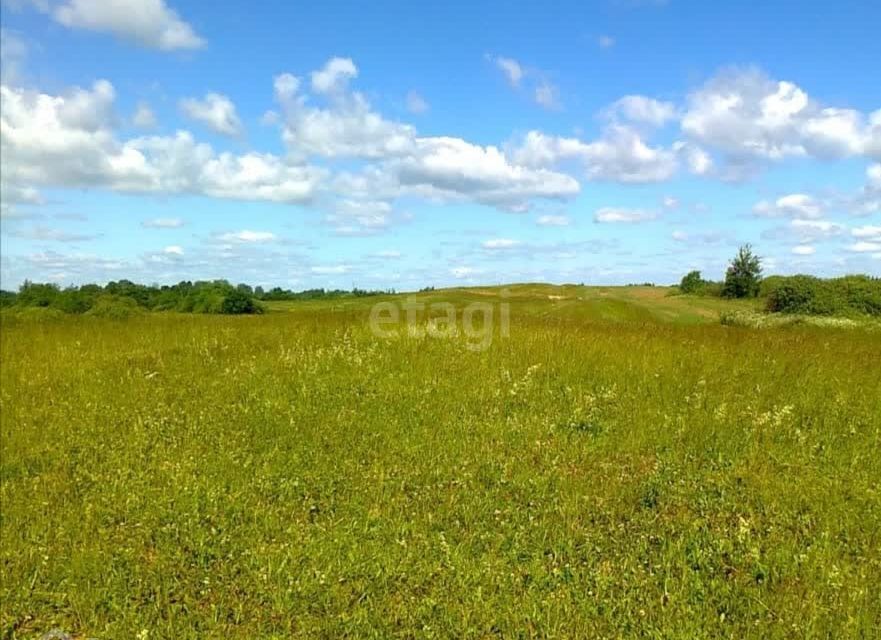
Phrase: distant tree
(744, 275)
(237, 302)
(34, 294)
(691, 282)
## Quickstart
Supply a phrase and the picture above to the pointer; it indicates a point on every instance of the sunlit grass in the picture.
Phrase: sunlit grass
(614, 468)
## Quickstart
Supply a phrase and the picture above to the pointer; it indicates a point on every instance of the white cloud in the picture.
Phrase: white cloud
(553, 221)
(804, 250)
(865, 247)
(334, 76)
(69, 141)
(144, 116)
(620, 155)
(163, 223)
(751, 118)
(613, 215)
(359, 217)
(347, 128)
(511, 68)
(173, 250)
(416, 103)
(813, 230)
(446, 168)
(873, 176)
(247, 236)
(150, 23)
(670, 202)
(606, 42)
(679, 236)
(497, 244)
(867, 232)
(796, 205)
(215, 111)
(642, 110)
(696, 159)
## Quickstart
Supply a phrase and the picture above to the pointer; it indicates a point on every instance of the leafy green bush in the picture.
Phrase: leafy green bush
(691, 282)
(849, 295)
(237, 302)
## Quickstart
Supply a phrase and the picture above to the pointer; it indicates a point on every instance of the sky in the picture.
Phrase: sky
(405, 145)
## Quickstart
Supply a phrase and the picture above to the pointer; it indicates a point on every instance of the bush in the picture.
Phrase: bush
(850, 295)
(691, 282)
(238, 302)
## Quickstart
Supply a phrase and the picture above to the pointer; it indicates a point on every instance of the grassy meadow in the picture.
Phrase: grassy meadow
(622, 465)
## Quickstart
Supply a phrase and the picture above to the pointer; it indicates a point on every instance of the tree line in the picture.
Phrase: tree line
(214, 296)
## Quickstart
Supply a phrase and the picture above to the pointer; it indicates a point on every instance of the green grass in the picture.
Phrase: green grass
(623, 465)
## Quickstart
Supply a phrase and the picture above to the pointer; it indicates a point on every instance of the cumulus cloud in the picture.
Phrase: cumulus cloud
(215, 111)
(334, 76)
(347, 128)
(173, 250)
(618, 215)
(69, 141)
(452, 168)
(620, 155)
(795, 205)
(804, 250)
(150, 23)
(749, 117)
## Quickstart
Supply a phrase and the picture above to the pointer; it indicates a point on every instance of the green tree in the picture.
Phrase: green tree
(691, 282)
(744, 275)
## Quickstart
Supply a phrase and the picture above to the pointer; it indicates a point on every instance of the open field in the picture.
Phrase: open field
(622, 465)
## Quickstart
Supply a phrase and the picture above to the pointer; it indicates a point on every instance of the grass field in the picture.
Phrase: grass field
(622, 465)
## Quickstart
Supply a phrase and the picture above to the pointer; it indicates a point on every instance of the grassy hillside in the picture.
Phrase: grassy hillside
(590, 304)
(621, 464)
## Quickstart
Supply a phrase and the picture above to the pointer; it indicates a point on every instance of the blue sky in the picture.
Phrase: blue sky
(406, 145)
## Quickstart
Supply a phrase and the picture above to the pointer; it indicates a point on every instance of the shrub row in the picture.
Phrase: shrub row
(125, 298)
(849, 295)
